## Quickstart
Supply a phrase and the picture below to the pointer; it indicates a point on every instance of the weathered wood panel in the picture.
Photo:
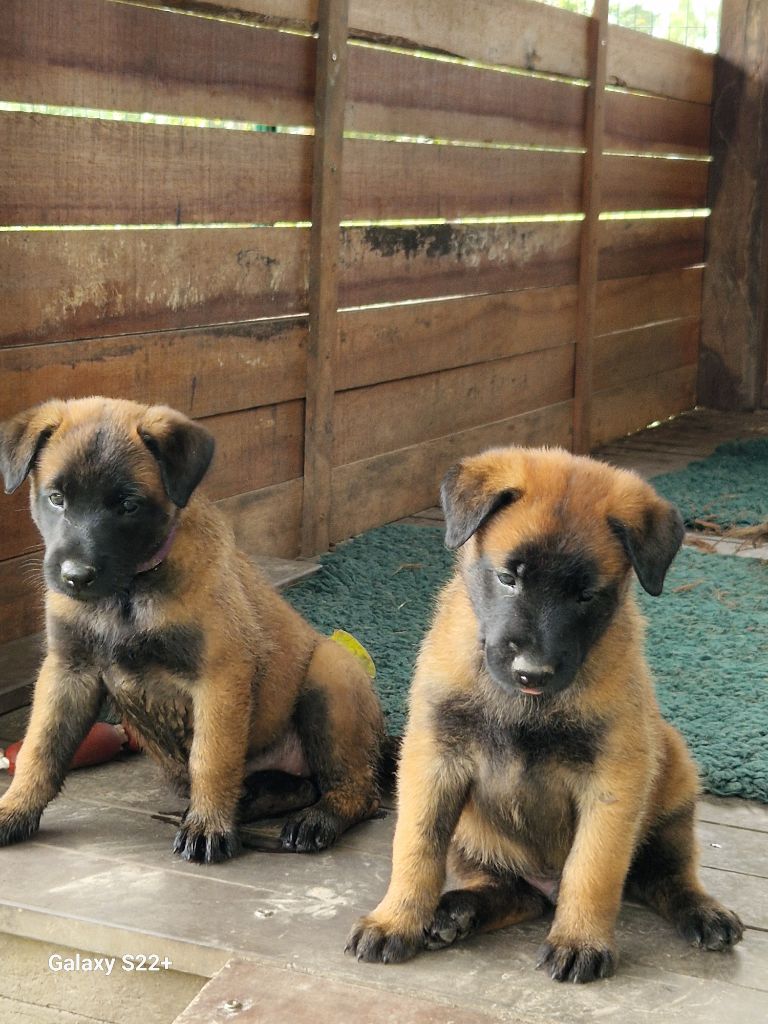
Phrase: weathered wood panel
(633, 301)
(632, 247)
(641, 62)
(653, 183)
(91, 53)
(279, 13)
(394, 342)
(221, 369)
(509, 32)
(21, 597)
(385, 180)
(389, 486)
(267, 521)
(62, 285)
(655, 124)
(645, 351)
(621, 410)
(390, 264)
(83, 171)
(397, 414)
(401, 94)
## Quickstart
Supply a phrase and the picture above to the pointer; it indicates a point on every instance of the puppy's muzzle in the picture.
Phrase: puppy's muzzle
(530, 675)
(77, 576)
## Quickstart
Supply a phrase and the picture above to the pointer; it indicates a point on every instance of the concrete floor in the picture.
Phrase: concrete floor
(270, 928)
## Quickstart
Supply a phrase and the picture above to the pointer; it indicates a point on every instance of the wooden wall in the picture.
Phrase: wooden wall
(452, 334)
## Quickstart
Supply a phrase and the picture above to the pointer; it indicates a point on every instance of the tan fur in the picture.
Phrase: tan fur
(260, 658)
(587, 823)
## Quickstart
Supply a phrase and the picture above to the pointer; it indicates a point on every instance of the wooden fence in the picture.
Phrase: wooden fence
(429, 339)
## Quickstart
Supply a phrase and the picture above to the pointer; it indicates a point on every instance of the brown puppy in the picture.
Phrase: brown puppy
(536, 762)
(149, 600)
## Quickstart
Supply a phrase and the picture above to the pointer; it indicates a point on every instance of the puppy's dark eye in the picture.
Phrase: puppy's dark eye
(56, 498)
(585, 596)
(508, 579)
(128, 506)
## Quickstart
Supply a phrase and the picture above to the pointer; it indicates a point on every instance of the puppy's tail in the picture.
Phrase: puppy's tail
(388, 761)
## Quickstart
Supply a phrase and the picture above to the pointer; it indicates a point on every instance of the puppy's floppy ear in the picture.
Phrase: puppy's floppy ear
(183, 450)
(23, 438)
(469, 497)
(652, 541)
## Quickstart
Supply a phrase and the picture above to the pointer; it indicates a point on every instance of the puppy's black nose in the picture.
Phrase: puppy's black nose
(77, 575)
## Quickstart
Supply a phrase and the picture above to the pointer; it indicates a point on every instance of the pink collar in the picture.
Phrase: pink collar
(161, 554)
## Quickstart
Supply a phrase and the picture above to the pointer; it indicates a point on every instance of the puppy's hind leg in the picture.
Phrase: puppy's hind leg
(486, 900)
(339, 722)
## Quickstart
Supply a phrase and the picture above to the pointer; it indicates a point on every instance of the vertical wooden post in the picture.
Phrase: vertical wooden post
(734, 326)
(590, 238)
(330, 94)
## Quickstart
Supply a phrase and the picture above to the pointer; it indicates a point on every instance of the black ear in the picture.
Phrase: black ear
(183, 450)
(467, 504)
(652, 546)
(23, 438)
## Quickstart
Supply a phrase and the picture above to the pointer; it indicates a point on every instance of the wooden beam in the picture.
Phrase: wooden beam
(323, 272)
(732, 368)
(591, 197)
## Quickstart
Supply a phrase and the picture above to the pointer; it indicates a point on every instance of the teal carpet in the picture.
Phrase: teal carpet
(728, 488)
(707, 640)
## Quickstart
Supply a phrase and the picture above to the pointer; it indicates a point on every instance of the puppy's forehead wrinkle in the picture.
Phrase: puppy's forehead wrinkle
(98, 460)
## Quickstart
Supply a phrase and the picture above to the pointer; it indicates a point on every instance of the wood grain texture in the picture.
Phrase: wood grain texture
(384, 180)
(21, 597)
(90, 53)
(386, 487)
(403, 94)
(395, 342)
(632, 247)
(621, 410)
(330, 95)
(83, 171)
(649, 183)
(641, 62)
(510, 32)
(278, 13)
(221, 369)
(389, 264)
(656, 124)
(645, 351)
(63, 285)
(267, 521)
(634, 301)
(397, 414)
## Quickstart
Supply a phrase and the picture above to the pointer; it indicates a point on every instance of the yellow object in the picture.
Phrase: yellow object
(354, 645)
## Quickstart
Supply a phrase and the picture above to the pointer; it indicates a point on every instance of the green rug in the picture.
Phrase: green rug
(707, 640)
(728, 488)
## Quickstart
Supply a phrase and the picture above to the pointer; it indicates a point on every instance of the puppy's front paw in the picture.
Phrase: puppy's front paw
(575, 961)
(17, 824)
(199, 842)
(374, 942)
(313, 831)
(455, 919)
(709, 925)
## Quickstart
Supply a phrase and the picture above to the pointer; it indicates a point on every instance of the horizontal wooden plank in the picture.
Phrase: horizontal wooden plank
(632, 247)
(397, 414)
(655, 124)
(397, 93)
(634, 301)
(90, 53)
(387, 487)
(385, 180)
(389, 264)
(255, 448)
(516, 33)
(623, 409)
(653, 183)
(21, 597)
(394, 342)
(267, 521)
(220, 369)
(641, 62)
(83, 171)
(61, 285)
(268, 12)
(653, 349)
